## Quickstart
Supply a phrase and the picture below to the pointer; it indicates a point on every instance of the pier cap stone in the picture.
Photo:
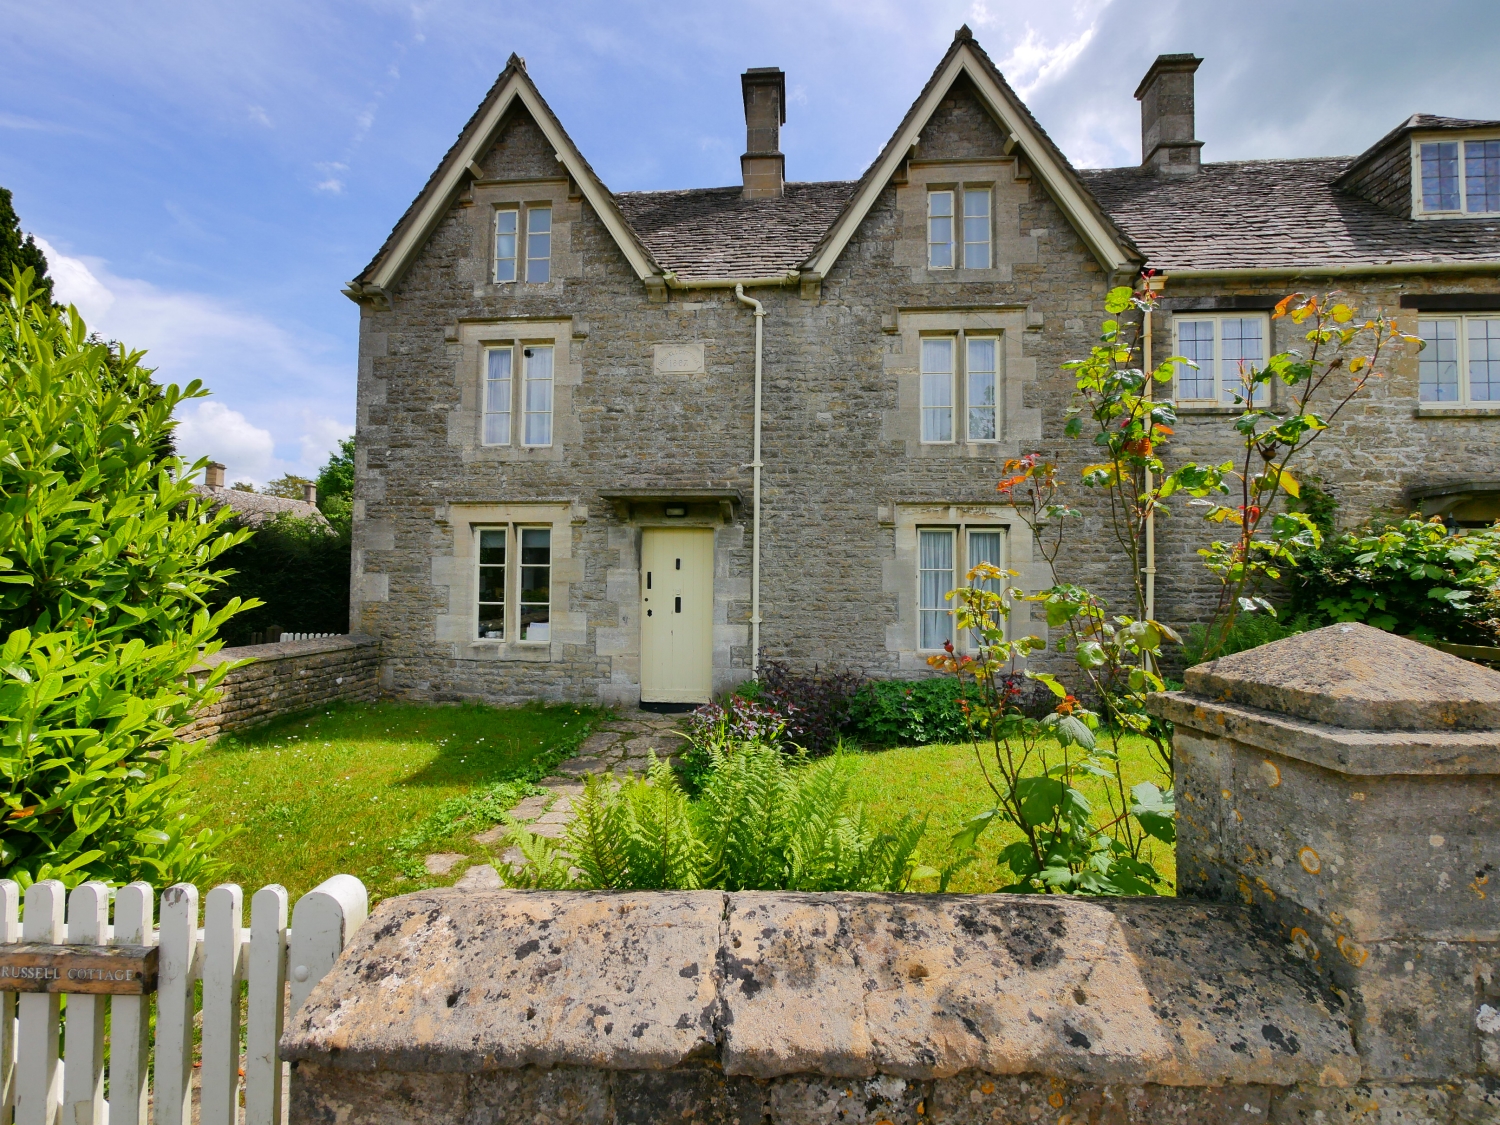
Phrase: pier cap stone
(769, 984)
(1356, 677)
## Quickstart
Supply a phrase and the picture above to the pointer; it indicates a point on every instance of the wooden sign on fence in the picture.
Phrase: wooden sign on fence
(114, 970)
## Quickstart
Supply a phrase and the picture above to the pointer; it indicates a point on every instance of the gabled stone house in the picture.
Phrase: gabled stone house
(613, 446)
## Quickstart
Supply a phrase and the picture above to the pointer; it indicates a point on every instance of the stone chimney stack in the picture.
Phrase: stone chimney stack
(1168, 146)
(763, 165)
(213, 476)
(309, 492)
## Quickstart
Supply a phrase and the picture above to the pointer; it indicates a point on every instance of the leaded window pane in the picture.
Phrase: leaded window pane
(1241, 351)
(984, 410)
(940, 230)
(1482, 175)
(935, 579)
(937, 390)
(538, 396)
(1195, 341)
(1440, 176)
(977, 230)
(1437, 363)
(1484, 359)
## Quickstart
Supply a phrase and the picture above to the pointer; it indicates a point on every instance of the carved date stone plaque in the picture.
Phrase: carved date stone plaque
(678, 359)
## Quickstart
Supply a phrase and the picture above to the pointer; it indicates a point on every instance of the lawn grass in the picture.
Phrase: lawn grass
(946, 783)
(333, 791)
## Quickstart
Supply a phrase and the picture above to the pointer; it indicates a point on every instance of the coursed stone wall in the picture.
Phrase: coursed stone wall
(286, 678)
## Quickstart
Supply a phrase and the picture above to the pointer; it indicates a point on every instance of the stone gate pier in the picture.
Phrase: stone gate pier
(1335, 963)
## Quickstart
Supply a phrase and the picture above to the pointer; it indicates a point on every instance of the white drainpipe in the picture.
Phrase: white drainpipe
(760, 312)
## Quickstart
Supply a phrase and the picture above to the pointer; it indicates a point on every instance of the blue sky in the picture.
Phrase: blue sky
(206, 176)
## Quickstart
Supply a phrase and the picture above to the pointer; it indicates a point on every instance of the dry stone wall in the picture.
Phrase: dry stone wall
(286, 678)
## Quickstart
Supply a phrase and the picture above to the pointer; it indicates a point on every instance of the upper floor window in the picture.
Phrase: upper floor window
(941, 378)
(536, 264)
(499, 390)
(1225, 349)
(937, 389)
(959, 241)
(1460, 177)
(538, 391)
(497, 395)
(1460, 359)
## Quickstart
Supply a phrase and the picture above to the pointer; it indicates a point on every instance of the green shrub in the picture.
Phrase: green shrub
(1250, 630)
(106, 556)
(909, 712)
(298, 569)
(1411, 577)
(763, 821)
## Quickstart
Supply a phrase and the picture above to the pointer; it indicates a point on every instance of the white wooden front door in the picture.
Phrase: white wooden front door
(677, 601)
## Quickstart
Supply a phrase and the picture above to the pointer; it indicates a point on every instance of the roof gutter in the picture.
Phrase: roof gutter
(1489, 266)
(790, 277)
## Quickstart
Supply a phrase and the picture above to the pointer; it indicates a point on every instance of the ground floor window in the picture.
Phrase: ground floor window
(1460, 359)
(945, 555)
(520, 594)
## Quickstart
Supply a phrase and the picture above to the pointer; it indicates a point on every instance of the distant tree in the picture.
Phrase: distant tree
(243, 486)
(288, 487)
(336, 486)
(18, 253)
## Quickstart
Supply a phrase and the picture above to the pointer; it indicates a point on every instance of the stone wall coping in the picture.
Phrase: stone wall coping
(287, 650)
(768, 984)
(1366, 753)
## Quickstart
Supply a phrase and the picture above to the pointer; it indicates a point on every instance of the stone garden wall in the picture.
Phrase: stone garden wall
(1338, 825)
(288, 677)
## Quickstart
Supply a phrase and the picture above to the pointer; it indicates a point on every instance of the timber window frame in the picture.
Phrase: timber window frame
(513, 588)
(1456, 177)
(522, 244)
(945, 555)
(960, 227)
(1221, 344)
(1453, 347)
(960, 380)
(505, 398)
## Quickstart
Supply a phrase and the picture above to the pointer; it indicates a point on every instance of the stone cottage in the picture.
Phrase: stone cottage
(622, 446)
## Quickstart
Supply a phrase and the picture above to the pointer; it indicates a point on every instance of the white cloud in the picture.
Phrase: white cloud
(259, 116)
(1033, 62)
(280, 400)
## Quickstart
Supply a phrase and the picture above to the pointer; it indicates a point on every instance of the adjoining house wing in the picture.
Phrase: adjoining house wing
(437, 195)
(1109, 244)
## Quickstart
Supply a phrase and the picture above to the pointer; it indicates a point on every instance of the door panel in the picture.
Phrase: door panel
(677, 602)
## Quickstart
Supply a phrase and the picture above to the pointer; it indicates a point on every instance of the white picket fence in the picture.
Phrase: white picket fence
(40, 1086)
(309, 636)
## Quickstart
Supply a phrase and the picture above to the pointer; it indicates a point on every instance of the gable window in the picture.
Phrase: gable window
(940, 230)
(497, 392)
(530, 601)
(538, 245)
(977, 229)
(1460, 359)
(983, 400)
(1226, 349)
(937, 389)
(507, 226)
(940, 569)
(1460, 177)
(537, 392)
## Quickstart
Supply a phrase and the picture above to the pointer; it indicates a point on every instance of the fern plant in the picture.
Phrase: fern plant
(762, 822)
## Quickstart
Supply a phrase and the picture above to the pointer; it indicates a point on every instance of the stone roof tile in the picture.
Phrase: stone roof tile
(1259, 213)
(255, 508)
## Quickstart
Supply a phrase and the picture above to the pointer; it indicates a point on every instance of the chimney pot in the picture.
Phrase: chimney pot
(213, 475)
(1168, 145)
(763, 166)
(309, 492)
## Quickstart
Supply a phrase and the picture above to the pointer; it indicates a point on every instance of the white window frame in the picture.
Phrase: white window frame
(532, 211)
(1221, 398)
(952, 340)
(975, 191)
(506, 618)
(960, 537)
(520, 568)
(1465, 394)
(952, 218)
(1419, 200)
(533, 384)
(970, 339)
(512, 606)
(515, 246)
(488, 407)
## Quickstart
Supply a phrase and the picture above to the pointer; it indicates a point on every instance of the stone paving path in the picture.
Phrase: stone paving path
(620, 745)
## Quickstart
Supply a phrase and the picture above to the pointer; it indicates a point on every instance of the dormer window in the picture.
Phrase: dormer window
(1459, 177)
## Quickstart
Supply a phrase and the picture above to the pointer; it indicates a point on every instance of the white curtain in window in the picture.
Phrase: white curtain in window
(984, 408)
(935, 579)
(538, 396)
(937, 389)
(497, 396)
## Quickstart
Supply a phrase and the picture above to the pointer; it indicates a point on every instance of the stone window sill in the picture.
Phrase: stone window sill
(536, 652)
(1435, 411)
(1205, 408)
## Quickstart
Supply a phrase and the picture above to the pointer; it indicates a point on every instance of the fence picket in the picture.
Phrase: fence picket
(223, 938)
(176, 972)
(38, 1069)
(83, 1035)
(267, 973)
(130, 1016)
(10, 930)
(324, 919)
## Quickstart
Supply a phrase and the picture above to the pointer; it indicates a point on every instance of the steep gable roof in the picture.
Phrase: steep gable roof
(965, 57)
(511, 90)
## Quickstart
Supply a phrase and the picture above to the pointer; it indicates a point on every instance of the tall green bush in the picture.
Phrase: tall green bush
(106, 559)
(297, 569)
